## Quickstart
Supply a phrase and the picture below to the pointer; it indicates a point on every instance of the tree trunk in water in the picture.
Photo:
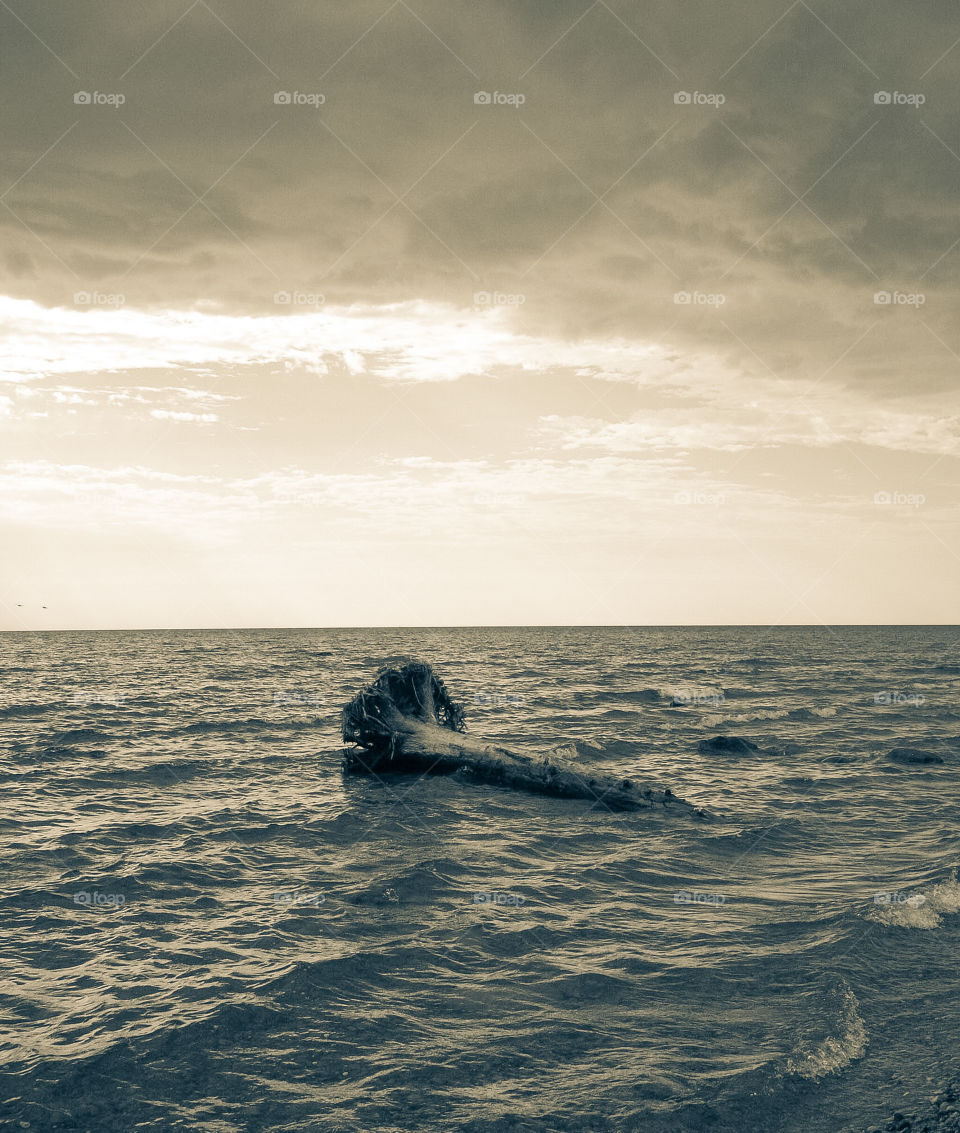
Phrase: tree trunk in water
(406, 722)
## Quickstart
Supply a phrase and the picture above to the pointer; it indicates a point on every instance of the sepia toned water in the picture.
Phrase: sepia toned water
(204, 925)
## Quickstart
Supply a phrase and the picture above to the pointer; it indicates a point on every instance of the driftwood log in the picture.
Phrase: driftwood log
(406, 721)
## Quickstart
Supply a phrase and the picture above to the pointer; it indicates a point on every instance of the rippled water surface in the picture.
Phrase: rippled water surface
(206, 926)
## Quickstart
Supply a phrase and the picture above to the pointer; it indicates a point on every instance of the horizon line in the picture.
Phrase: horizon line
(493, 625)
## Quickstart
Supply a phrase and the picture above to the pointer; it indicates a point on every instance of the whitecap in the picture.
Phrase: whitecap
(922, 908)
(848, 1043)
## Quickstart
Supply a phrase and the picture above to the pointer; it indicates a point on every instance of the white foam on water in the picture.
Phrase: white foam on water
(922, 908)
(836, 1051)
(801, 714)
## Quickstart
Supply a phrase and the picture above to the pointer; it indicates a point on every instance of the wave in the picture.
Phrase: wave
(811, 713)
(24, 710)
(169, 771)
(798, 714)
(921, 908)
(640, 696)
(580, 750)
(79, 735)
(814, 1060)
(717, 720)
(255, 724)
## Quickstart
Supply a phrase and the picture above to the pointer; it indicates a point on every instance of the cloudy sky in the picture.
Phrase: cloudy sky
(479, 313)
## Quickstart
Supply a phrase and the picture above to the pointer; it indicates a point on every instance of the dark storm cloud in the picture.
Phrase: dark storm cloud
(798, 197)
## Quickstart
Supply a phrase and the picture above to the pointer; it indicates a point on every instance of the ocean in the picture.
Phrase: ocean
(207, 926)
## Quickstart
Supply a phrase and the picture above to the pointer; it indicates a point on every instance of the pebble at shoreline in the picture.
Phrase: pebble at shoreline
(943, 1116)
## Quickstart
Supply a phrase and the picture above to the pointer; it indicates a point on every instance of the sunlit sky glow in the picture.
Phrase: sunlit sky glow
(413, 359)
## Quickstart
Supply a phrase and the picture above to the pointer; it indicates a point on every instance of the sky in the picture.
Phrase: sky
(442, 313)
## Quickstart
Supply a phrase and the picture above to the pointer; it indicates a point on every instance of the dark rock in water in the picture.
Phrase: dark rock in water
(407, 722)
(913, 755)
(727, 745)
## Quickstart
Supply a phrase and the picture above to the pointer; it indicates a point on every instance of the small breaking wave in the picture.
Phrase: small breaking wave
(848, 1042)
(812, 713)
(640, 696)
(581, 750)
(799, 714)
(923, 908)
